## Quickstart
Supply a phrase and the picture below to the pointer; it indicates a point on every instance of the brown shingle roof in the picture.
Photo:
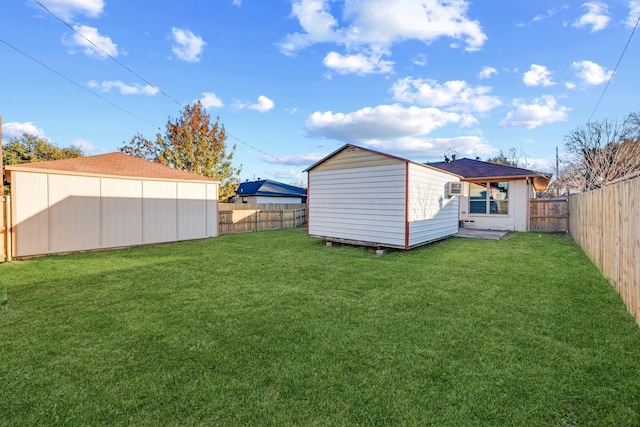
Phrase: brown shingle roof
(469, 168)
(111, 165)
(477, 169)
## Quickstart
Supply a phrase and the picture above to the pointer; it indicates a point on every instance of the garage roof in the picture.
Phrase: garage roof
(110, 165)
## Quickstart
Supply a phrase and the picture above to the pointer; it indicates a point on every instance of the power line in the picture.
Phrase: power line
(76, 83)
(106, 53)
(72, 28)
(614, 70)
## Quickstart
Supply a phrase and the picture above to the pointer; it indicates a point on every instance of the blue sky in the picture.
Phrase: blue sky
(293, 80)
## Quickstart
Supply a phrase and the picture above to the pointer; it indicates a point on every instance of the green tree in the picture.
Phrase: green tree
(31, 148)
(192, 143)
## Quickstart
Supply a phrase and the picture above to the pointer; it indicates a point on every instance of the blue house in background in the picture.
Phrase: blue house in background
(267, 191)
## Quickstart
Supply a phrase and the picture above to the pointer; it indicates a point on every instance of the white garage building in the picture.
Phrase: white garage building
(107, 201)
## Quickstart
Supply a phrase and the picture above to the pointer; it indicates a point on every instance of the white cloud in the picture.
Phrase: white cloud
(92, 42)
(295, 159)
(289, 176)
(237, 3)
(15, 130)
(263, 105)
(375, 25)
(570, 85)
(317, 22)
(544, 110)
(487, 72)
(597, 16)
(456, 95)
(591, 73)
(540, 165)
(634, 13)
(210, 100)
(433, 148)
(187, 46)
(420, 60)
(82, 144)
(549, 14)
(125, 89)
(538, 75)
(67, 9)
(357, 64)
(381, 122)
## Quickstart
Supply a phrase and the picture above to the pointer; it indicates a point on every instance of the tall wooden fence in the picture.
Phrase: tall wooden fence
(606, 224)
(247, 218)
(5, 236)
(549, 215)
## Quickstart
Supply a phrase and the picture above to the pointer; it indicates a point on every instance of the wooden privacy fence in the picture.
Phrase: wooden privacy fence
(5, 224)
(549, 215)
(246, 218)
(606, 224)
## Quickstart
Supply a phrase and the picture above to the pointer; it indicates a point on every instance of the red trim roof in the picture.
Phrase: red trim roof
(112, 165)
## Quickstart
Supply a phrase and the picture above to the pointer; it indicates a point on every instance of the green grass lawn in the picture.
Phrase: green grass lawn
(275, 328)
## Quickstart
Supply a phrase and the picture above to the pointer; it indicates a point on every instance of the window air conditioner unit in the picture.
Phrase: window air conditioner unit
(455, 188)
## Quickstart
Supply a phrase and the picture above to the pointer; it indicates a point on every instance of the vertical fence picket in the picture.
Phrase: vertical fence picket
(606, 223)
(245, 218)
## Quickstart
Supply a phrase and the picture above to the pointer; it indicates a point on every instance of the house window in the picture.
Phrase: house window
(489, 198)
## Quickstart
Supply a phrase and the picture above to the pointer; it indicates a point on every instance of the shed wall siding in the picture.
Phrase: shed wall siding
(31, 217)
(192, 207)
(121, 212)
(432, 215)
(74, 212)
(64, 213)
(515, 220)
(362, 204)
(212, 209)
(352, 158)
(159, 211)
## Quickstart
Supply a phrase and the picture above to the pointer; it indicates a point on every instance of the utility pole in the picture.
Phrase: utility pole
(557, 172)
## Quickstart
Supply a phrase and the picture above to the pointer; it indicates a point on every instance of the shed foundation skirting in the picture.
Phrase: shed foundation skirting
(361, 243)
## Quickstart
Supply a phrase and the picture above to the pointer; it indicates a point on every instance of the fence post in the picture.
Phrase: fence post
(7, 205)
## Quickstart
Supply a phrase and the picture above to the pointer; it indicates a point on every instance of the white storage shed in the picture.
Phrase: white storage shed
(364, 197)
(107, 201)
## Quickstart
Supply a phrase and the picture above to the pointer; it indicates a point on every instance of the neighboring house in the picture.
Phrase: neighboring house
(364, 197)
(107, 201)
(496, 196)
(267, 191)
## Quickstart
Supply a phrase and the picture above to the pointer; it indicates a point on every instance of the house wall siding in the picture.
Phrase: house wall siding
(364, 204)
(63, 213)
(515, 220)
(432, 215)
